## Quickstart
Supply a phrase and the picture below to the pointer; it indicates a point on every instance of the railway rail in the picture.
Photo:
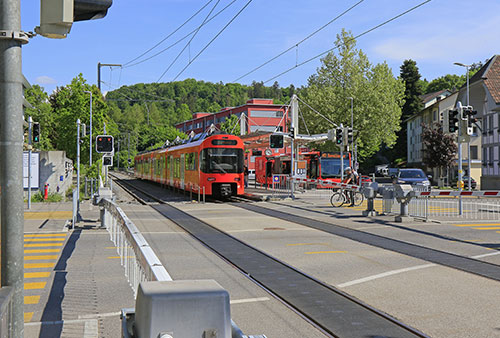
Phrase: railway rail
(332, 311)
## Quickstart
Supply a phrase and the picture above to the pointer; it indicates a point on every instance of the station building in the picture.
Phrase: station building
(258, 118)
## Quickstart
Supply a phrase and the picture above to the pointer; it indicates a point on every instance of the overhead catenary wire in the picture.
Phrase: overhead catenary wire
(349, 40)
(138, 91)
(189, 42)
(317, 112)
(296, 45)
(169, 35)
(181, 39)
(214, 38)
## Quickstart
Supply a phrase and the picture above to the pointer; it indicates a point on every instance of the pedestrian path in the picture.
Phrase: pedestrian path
(41, 252)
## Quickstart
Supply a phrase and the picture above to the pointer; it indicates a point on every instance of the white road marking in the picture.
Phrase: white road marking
(384, 274)
(90, 329)
(487, 255)
(249, 300)
(99, 315)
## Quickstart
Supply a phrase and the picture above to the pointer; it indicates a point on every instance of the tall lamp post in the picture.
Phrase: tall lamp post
(468, 143)
(90, 128)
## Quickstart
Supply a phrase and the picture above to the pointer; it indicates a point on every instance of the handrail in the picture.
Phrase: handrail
(130, 243)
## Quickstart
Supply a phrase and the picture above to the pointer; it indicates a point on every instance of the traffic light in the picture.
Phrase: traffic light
(453, 120)
(292, 132)
(276, 141)
(339, 136)
(57, 16)
(36, 132)
(350, 136)
(469, 115)
(107, 160)
(104, 144)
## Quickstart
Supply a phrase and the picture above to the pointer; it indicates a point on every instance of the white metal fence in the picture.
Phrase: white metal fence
(136, 256)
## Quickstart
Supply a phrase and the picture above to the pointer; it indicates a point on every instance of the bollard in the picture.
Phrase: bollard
(404, 193)
(199, 194)
(369, 193)
(191, 194)
(203, 195)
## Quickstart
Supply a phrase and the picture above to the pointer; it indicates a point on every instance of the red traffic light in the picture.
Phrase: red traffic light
(104, 144)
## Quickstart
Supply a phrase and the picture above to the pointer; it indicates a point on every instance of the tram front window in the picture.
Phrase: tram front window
(330, 167)
(221, 160)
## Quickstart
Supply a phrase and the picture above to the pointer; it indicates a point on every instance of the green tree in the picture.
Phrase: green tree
(448, 81)
(412, 105)
(377, 97)
(70, 103)
(41, 112)
(231, 125)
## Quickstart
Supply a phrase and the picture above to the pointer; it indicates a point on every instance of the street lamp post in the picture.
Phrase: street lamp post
(468, 143)
(90, 128)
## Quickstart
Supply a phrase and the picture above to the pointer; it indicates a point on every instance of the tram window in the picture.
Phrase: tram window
(191, 161)
(224, 142)
(221, 160)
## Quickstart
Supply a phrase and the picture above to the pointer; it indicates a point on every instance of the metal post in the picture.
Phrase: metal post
(460, 171)
(78, 165)
(294, 110)
(128, 152)
(203, 195)
(468, 143)
(11, 161)
(90, 128)
(342, 155)
(118, 156)
(30, 126)
(99, 76)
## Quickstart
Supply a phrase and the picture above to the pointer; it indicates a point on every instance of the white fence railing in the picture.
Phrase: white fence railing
(136, 256)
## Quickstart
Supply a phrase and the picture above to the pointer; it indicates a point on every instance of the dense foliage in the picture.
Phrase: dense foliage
(440, 148)
(377, 97)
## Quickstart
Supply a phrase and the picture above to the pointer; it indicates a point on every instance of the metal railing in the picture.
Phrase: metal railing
(136, 256)
(6, 294)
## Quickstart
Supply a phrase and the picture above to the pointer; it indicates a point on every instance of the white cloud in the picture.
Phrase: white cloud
(45, 80)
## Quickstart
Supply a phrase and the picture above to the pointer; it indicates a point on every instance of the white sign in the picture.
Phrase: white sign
(35, 170)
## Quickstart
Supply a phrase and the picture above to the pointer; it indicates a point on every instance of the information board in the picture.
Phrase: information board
(35, 170)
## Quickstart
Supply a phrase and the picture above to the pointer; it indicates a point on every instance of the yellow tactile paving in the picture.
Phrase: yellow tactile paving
(31, 300)
(44, 239)
(28, 316)
(36, 274)
(34, 286)
(42, 251)
(45, 235)
(38, 265)
(40, 258)
(56, 215)
(477, 225)
(41, 245)
(490, 228)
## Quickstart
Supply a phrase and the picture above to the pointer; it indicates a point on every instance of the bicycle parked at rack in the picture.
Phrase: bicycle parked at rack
(341, 197)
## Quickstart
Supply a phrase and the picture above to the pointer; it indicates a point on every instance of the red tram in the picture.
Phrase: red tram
(209, 163)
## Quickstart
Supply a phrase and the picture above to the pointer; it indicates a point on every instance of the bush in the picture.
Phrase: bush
(52, 197)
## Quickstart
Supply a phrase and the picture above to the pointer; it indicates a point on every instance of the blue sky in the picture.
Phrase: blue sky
(435, 35)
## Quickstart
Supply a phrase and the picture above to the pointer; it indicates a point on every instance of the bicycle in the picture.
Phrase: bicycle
(340, 197)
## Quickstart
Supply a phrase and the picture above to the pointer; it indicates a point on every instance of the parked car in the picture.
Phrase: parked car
(413, 176)
(473, 182)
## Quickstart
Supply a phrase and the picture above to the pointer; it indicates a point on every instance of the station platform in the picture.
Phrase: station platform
(74, 283)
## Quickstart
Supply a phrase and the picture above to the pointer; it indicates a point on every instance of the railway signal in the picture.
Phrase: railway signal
(36, 132)
(107, 160)
(104, 144)
(276, 141)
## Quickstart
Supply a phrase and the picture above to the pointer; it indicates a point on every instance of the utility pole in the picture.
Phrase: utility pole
(30, 125)
(90, 128)
(11, 159)
(294, 109)
(354, 147)
(460, 170)
(99, 65)
(118, 156)
(342, 155)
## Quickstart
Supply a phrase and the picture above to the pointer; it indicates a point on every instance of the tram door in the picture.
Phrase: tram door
(171, 169)
(183, 162)
(313, 169)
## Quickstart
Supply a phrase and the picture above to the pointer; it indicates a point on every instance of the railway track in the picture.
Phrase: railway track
(332, 311)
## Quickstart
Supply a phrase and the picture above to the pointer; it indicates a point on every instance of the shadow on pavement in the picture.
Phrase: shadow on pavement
(52, 312)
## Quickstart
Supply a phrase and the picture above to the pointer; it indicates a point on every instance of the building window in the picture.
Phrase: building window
(490, 159)
(473, 153)
(266, 113)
